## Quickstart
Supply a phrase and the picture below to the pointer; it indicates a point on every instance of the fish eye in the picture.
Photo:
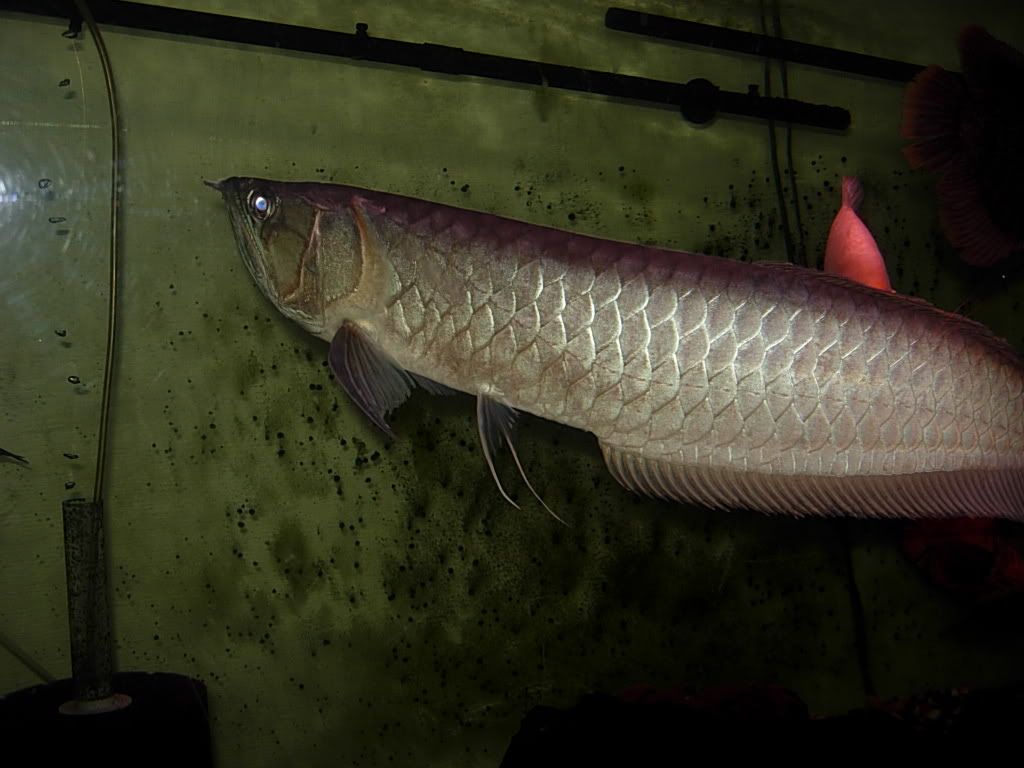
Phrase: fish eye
(260, 205)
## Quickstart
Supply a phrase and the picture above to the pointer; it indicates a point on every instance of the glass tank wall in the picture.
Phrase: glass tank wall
(350, 598)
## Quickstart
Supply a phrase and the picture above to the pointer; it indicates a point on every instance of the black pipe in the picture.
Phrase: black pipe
(710, 36)
(699, 100)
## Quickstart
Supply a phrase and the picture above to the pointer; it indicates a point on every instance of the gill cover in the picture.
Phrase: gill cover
(304, 254)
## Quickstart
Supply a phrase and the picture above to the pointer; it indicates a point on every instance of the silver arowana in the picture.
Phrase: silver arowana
(761, 386)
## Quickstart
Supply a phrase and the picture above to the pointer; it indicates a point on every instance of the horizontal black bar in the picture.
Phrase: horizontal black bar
(710, 36)
(698, 100)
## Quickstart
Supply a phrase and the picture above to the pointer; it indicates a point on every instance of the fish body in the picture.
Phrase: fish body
(968, 129)
(851, 249)
(762, 386)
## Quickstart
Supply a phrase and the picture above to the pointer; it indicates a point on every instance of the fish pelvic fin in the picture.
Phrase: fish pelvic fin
(495, 422)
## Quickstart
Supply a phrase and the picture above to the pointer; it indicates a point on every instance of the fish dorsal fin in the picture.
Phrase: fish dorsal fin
(495, 422)
(374, 383)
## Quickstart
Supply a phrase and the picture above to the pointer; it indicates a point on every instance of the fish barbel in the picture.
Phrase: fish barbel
(762, 386)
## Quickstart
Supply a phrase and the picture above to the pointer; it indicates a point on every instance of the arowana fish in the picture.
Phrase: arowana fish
(763, 386)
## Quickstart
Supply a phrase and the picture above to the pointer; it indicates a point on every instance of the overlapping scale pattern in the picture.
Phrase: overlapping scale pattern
(688, 363)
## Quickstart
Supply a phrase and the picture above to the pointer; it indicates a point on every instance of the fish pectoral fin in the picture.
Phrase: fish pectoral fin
(374, 382)
(495, 422)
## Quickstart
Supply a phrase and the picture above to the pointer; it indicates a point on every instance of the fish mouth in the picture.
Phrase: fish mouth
(245, 237)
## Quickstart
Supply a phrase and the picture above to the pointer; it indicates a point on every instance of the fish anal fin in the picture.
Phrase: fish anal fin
(962, 493)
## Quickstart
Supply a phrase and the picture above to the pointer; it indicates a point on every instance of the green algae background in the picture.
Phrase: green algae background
(351, 599)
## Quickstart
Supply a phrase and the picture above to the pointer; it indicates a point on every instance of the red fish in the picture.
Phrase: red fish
(851, 250)
(970, 557)
(967, 129)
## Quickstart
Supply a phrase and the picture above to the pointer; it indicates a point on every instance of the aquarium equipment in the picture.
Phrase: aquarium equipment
(699, 100)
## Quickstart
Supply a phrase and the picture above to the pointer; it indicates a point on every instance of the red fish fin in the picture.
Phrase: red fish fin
(932, 105)
(988, 62)
(966, 221)
(853, 192)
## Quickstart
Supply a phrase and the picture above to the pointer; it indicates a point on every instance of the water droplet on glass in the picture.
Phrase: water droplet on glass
(74, 380)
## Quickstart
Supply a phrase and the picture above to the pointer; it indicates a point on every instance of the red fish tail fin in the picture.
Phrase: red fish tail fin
(853, 192)
(932, 105)
(965, 220)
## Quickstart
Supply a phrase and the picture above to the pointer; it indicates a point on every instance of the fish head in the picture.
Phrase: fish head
(304, 255)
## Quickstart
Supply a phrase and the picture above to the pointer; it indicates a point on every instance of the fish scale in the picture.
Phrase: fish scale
(764, 386)
(725, 317)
